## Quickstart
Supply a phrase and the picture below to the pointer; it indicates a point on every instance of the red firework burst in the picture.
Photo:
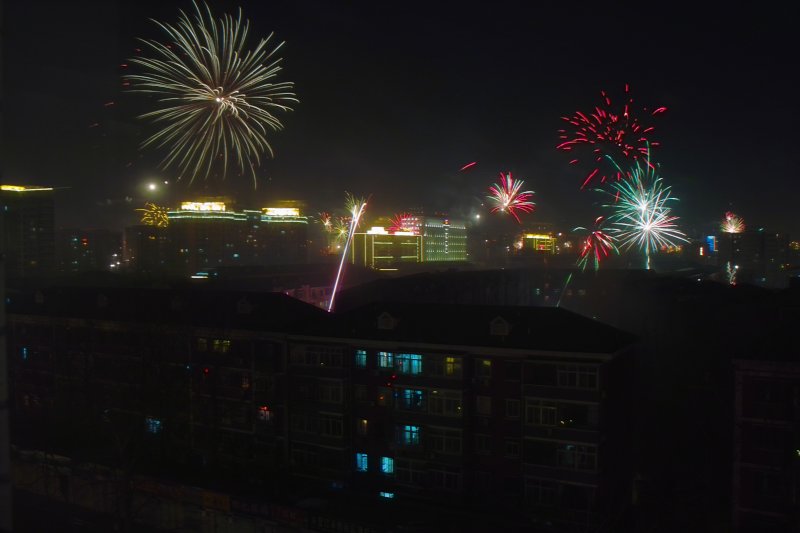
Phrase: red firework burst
(609, 132)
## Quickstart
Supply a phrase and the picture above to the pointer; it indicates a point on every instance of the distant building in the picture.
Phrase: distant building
(144, 248)
(538, 243)
(209, 233)
(379, 249)
(760, 255)
(28, 229)
(87, 250)
(443, 239)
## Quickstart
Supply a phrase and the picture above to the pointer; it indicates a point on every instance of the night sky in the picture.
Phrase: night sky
(397, 96)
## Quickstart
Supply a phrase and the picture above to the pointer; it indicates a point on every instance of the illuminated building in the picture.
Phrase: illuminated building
(28, 229)
(209, 232)
(443, 239)
(381, 250)
(539, 243)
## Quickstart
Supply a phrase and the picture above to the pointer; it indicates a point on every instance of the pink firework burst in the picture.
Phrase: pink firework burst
(597, 246)
(506, 197)
(404, 222)
(608, 131)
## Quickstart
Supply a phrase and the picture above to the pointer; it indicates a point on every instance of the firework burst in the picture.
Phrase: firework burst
(597, 245)
(356, 207)
(732, 223)
(403, 222)
(216, 99)
(642, 216)
(154, 215)
(608, 132)
(506, 197)
(326, 221)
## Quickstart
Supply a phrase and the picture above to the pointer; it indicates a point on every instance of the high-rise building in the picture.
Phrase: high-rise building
(383, 250)
(210, 233)
(28, 229)
(443, 239)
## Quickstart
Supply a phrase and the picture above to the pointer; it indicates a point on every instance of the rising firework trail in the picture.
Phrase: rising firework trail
(641, 213)
(356, 208)
(468, 166)
(597, 246)
(506, 197)
(216, 99)
(608, 131)
(732, 223)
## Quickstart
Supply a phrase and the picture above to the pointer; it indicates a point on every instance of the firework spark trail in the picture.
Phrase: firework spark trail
(468, 166)
(506, 197)
(216, 99)
(642, 216)
(326, 221)
(356, 207)
(596, 246)
(607, 132)
(566, 284)
(154, 215)
(732, 223)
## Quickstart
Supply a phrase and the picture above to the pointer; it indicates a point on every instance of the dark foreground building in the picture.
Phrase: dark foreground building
(208, 409)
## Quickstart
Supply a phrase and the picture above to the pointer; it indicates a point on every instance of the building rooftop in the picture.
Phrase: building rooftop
(534, 328)
(265, 311)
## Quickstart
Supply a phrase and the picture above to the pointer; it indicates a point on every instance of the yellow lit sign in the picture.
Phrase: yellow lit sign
(377, 230)
(537, 236)
(203, 206)
(23, 188)
(281, 211)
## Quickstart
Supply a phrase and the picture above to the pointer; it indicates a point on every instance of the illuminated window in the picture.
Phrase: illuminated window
(411, 399)
(452, 366)
(361, 358)
(221, 345)
(152, 425)
(384, 396)
(387, 495)
(24, 353)
(409, 435)
(385, 359)
(362, 462)
(409, 363)
(483, 368)
(387, 465)
(363, 426)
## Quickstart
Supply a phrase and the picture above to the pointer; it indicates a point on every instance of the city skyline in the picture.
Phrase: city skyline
(394, 102)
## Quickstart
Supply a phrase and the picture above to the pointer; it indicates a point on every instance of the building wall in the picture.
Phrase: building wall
(28, 231)
(766, 477)
(443, 240)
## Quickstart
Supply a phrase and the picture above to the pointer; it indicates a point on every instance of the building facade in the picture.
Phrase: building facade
(766, 476)
(473, 411)
(28, 229)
